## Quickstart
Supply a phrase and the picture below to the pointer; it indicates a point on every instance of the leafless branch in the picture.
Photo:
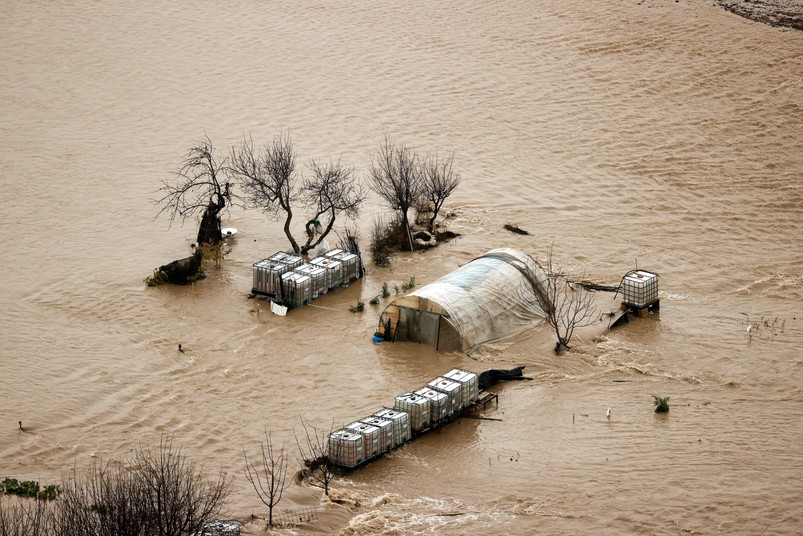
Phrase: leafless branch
(565, 307)
(439, 180)
(268, 178)
(332, 190)
(313, 449)
(270, 481)
(395, 175)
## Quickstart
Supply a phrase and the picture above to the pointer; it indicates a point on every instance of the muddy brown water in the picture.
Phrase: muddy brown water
(660, 134)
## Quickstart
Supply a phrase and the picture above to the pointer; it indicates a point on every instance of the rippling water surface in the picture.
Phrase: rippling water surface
(662, 134)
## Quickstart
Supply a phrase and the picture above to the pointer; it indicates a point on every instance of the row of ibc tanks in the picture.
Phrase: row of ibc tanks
(436, 403)
(294, 282)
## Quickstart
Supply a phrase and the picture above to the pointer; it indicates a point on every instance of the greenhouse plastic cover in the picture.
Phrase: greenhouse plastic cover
(492, 297)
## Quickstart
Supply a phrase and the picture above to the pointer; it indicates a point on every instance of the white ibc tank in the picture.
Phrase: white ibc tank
(334, 270)
(401, 424)
(370, 434)
(296, 289)
(293, 261)
(266, 276)
(317, 275)
(438, 403)
(451, 388)
(417, 407)
(470, 383)
(350, 261)
(640, 288)
(385, 431)
(346, 448)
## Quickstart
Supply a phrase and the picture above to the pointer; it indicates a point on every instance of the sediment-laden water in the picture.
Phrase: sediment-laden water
(665, 135)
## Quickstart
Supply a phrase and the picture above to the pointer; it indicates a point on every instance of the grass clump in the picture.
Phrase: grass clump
(661, 403)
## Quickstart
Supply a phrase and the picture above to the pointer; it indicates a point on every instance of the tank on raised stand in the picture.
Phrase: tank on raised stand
(401, 424)
(385, 427)
(639, 289)
(438, 404)
(334, 270)
(451, 388)
(470, 382)
(417, 407)
(346, 448)
(371, 436)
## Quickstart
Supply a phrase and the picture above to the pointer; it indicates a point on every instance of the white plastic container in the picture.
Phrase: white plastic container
(417, 407)
(317, 275)
(385, 431)
(351, 263)
(371, 437)
(451, 388)
(296, 289)
(267, 275)
(346, 448)
(470, 383)
(640, 289)
(438, 403)
(401, 424)
(293, 261)
(334, 271)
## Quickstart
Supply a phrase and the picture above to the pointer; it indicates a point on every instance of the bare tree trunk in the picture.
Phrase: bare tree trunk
(209, 230)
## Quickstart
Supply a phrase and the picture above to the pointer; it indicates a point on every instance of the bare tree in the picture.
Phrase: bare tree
(332, 190)
(268, 178)
(180, 497)
(156, 494)
(314, 452)
(270, 481)
(565, 307)
(25, 517)
(106, 499)
(198, 185)
(395, 175)
(439, 180)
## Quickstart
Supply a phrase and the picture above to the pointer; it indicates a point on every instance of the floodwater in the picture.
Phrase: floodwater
(663, 135)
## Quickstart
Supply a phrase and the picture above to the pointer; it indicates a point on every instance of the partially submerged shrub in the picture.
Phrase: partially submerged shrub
(385, 291)
(661, 403)
(29, 488)
(387, 237)
(357, 308)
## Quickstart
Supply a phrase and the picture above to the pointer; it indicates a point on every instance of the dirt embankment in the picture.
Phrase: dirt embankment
(773, 12)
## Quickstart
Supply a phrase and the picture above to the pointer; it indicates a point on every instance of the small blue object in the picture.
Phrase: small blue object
(378, 338)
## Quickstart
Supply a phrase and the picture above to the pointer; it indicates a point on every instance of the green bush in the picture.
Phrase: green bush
(29, 488)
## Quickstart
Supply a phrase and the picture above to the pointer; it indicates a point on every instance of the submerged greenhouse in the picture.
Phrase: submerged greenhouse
(492, 297)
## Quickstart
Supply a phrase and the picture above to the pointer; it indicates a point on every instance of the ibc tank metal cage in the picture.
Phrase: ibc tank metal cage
(639, 288)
